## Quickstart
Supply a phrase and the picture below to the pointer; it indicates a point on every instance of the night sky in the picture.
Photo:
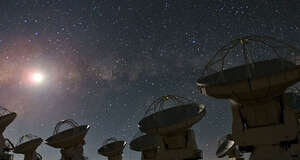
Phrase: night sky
(103, 61)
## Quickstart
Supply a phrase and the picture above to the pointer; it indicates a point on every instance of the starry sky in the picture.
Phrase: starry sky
(104, 61)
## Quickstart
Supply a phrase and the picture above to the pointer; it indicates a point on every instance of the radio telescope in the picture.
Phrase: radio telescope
(27, 145)
(227, 147)
(253, 72)
(70, 141)
(173, 125)
(147, 144)
(6, 117)
(112, 148)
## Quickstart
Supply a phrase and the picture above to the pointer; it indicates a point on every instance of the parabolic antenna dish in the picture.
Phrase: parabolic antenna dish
(177, 118)
(225, 145)
(6, 117)
(28, 143)
(251, 67)
(69, 137)
(145, 143)
(111, 147)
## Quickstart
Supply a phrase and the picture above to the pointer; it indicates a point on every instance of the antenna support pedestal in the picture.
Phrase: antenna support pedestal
(179, 146)
(73, 153)
(116, 157)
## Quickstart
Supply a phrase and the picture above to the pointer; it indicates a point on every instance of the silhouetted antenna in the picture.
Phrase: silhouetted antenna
(148, 145)
(27, 145)
(227, 147)
(254, 73)
(170, 118)
(163, 102)
(69, 122)
(70, 141)
(112, 148)
(246, 51)
(171, 113)
(143, 142)
(6, 117)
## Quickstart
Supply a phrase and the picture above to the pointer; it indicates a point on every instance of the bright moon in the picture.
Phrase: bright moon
(37, 77)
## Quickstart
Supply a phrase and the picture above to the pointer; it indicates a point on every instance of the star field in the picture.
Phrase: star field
(104, 60)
